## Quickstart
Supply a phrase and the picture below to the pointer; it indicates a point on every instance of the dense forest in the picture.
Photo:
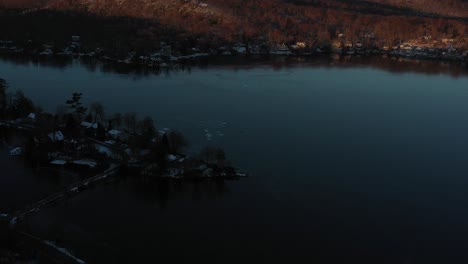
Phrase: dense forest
(142, 24)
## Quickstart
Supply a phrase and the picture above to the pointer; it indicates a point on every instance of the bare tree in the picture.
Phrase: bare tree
(130, 122)
(208, 154)
(213, 155)
(116, 120)
(146, 127)
(96, 109)
(177, 142)
(147, 131)
(21, 105)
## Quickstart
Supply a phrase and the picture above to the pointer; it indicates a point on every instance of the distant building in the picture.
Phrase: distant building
(281, 50)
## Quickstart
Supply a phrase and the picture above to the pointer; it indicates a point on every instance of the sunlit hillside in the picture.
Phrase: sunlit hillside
(314, 22)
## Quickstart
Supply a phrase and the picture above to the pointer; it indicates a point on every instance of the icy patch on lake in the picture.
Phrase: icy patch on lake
(210, 136)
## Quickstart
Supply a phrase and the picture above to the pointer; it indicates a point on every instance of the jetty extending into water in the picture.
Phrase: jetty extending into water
(47, 249)
(67, 192)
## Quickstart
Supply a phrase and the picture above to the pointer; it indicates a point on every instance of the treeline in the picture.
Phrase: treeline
(13, 106)
(141, 25)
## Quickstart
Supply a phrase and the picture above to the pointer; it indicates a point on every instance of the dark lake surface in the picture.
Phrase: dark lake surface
(358, 161)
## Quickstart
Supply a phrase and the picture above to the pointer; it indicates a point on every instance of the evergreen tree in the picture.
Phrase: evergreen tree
(76, 105)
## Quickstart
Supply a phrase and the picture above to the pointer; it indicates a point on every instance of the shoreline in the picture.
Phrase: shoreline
(165, 59)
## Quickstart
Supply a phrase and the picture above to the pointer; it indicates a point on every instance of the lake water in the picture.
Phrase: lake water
(349, 162)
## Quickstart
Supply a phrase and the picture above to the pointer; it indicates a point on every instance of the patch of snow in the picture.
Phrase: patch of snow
(89, 163)
(57, 136)
(58, 162)
(129, 151)
(174, 173)
(3, 215)
(240, 49)
(47, 52)
(13, 221)
(171, 157)
(32, 115)
(114, 133)
(103, 150)
(208, 172)
(89, 125)
(64, 251)
(110, 142)
(16, 151)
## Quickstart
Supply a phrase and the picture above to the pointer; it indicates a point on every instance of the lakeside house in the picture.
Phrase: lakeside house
(240, 49)
(281, 49)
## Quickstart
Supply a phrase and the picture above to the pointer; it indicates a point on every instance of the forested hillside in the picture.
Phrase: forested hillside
(313, 22)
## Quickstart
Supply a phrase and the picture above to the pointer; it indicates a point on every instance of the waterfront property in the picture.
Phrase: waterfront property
(79, 136)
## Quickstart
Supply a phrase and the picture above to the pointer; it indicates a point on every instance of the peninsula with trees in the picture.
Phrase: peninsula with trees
(83, 140)
(79, 137)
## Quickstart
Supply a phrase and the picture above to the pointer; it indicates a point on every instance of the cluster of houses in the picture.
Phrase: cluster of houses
(84, 150)
(166, 56)
(415, 51)
(197, 3)
(8, 46)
